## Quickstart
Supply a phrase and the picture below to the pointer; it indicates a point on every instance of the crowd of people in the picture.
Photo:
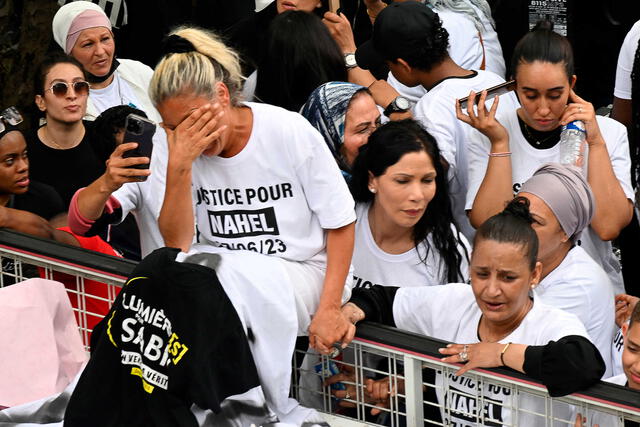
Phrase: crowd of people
(355, 174)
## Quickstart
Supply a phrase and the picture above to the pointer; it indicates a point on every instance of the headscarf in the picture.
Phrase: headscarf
(72, 18)
(326, 109)
(567, 193)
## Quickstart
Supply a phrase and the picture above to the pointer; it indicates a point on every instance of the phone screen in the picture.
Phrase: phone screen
(492, 92)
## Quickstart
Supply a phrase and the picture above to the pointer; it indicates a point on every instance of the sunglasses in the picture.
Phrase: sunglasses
(10, 116)
(60, 89)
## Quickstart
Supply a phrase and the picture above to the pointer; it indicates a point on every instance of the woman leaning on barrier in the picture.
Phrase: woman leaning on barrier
(494, 322)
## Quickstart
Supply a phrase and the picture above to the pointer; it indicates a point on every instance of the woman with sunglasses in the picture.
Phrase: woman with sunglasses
(83, 31)
(61, 152)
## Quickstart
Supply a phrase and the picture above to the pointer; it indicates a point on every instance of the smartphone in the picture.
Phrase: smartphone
(141, 130)
(334, 5)
(492, 92)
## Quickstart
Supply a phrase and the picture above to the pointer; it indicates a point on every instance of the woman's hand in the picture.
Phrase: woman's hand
(479, 355)
(340, 29)
(195, 134)
(579, 109)
(580, 421)
(330, 326)
(347, 377)
(119, 170)
(624, 307)
(484, 120)
(375, 392)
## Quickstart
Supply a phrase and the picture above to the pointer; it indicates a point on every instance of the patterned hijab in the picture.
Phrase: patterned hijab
(326, 109)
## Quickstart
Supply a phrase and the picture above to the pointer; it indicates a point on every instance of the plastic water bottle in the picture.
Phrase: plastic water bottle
(573, 140)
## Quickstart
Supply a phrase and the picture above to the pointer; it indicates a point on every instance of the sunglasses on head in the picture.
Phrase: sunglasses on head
(61, 88)
(10, 116)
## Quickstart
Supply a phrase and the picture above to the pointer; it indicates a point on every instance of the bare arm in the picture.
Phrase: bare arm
(189, 139)
(91, 200)
(613, 210)
(383, 93)
(622, 111)
(25, 222)
(496, 188)
(328, 325)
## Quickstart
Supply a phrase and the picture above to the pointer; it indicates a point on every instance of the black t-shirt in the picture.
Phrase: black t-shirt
(66, 170)
(171, 339)
(40, 199)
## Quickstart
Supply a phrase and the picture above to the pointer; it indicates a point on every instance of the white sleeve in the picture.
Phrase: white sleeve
(615, 135)
(129, 196)
(625, 63)
(324, 187)
(464, 40)
(478, 149)
(420, 309)
(440, 122)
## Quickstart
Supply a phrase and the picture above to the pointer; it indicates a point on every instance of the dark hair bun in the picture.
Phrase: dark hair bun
(543, 24)
(519, 208)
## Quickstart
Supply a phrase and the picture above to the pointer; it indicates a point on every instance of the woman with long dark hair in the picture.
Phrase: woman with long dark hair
(405, 232)
(511, 145)
(496, 321)
(300, 56)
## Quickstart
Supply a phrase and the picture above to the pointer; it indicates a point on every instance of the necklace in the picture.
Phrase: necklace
(50, 141)
(537, 141)
(509, 331)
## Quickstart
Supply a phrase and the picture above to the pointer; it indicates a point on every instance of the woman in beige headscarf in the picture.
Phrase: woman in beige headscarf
(562, 206)
(83, 31)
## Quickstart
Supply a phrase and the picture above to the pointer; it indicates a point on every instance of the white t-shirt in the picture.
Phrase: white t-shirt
(117, 93)
(617, 347)
(277, 196)
(625, 62)
(464, 49)
(436, 110)
(144, 199)
(579, 286)
(450, 313)
(525, 159)
(373, 266)
(600, 418)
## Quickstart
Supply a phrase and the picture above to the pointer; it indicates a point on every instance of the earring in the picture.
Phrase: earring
(533, 286)
(373, 190)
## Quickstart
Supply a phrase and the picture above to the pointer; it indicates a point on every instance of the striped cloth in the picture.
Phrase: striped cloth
(116, 10)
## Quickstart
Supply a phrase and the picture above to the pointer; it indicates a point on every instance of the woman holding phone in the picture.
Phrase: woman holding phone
(510, 146)
(62, 152)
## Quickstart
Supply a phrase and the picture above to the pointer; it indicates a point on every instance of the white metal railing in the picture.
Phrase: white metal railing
(427, 392)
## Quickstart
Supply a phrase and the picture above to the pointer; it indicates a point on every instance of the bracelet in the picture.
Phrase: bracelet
(502, 353)
(501, 154)
(372, 16)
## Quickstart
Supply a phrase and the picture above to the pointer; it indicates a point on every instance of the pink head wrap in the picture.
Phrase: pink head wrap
(72, 18)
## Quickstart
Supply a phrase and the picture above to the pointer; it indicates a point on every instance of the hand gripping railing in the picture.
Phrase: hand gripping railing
(418, 396)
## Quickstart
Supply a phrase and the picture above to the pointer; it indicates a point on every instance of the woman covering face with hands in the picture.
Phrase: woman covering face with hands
(494, 322)
(510, 146)
(252, 177)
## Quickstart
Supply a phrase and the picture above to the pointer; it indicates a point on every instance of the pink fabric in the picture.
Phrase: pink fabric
(78, 223)
(41, 347)
(86, 19)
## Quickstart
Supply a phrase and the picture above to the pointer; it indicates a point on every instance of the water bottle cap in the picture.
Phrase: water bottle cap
(575, 125)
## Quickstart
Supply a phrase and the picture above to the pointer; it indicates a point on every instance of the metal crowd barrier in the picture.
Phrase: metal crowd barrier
(411, 361)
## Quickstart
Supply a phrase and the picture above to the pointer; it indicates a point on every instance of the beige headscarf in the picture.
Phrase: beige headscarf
(567, 193)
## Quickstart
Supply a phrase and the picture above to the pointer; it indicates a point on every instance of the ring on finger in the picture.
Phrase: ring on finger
(464, 355)
(347, 395)
(579, 109)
